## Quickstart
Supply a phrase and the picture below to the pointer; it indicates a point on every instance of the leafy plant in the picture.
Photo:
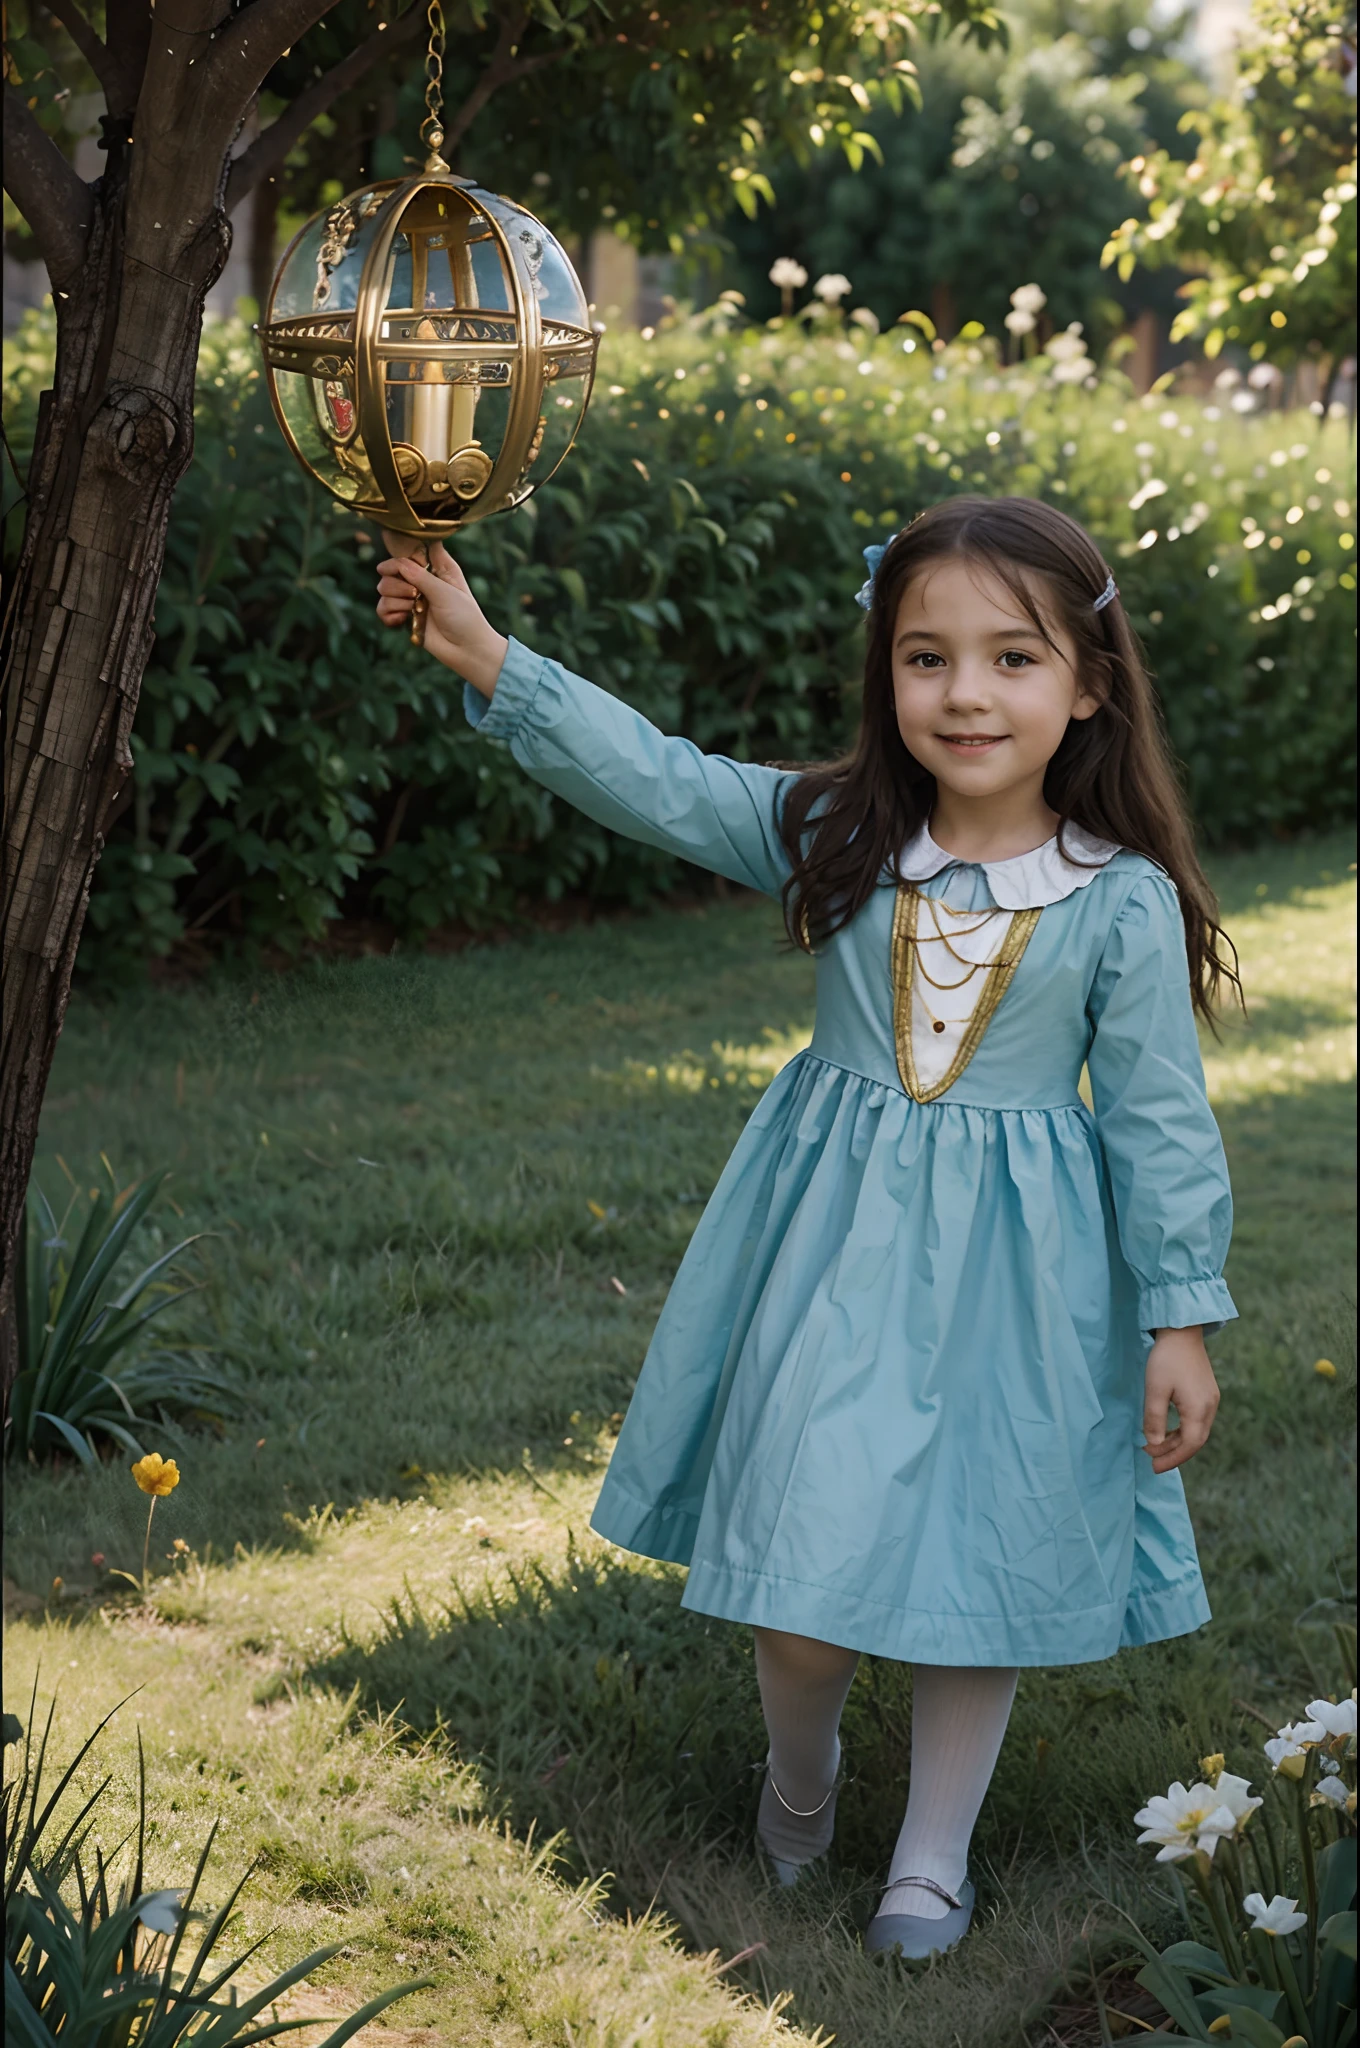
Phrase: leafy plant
(1265, 213)
(118, 1964)
(1260, 1966)
(85, 1371)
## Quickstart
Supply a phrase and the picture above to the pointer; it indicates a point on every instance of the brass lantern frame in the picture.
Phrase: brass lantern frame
(353, 346)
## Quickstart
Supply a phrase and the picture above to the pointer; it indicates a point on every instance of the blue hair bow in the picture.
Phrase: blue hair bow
(873, 556)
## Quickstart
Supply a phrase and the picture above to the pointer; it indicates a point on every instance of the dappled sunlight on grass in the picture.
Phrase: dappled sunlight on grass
(725, 1065)
(447, 1199)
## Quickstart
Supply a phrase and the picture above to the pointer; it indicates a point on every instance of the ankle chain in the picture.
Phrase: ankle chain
(797, 1813)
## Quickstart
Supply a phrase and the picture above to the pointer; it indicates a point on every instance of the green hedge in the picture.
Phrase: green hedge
(699, 555)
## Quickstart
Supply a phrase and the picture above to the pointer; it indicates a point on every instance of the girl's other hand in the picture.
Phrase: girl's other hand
(1178, 1370)
(456, 629)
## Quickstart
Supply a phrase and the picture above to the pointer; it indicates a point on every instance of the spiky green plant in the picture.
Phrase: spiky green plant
(119, 1966)
(86, 1369)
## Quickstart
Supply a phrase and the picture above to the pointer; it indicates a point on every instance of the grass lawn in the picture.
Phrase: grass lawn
(447, 1198)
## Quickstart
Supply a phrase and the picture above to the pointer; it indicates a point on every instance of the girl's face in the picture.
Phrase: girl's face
(983, 700)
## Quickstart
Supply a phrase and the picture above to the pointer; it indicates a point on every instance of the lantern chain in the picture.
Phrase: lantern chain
(432, 127)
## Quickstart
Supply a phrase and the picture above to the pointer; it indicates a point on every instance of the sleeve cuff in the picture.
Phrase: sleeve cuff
(511, 704)
(1180, 1304)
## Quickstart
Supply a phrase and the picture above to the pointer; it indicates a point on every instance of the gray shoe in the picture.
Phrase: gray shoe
(915, 1938)
(791, 1839)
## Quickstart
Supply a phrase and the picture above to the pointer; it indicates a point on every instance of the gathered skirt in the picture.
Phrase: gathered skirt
(894, 1399)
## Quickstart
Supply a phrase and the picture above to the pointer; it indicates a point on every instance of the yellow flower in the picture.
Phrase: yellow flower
(1222, 2025)
(156, 1475)
(1213, 1767)
(1325, 1369)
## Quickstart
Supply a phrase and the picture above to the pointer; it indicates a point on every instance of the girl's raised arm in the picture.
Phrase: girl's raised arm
(589, 747)
(1168, 1176)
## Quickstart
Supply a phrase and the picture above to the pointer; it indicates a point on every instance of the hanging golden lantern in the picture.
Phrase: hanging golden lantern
(427, 346)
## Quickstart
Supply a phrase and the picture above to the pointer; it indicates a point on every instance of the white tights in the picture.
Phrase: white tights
(959, 1717)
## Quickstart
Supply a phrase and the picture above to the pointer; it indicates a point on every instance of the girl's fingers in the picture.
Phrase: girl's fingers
(406, 573)
(445, 568)
(1154, 1418)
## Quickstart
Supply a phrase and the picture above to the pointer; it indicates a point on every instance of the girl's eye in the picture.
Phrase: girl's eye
(927, 658)
(1015, 657)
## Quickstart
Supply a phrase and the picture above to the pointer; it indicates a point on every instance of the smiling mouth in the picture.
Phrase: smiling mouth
(972, 740)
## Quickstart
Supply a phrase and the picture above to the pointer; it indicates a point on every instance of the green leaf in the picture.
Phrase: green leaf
(1339, 1933)
(1337, 1867)
(1240, 1998)
(1255, 2029)
(1197, 1961)
(1176, 1995)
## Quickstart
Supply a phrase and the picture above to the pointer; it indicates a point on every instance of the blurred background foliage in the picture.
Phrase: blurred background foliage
(1260, 206)
(1010, 170)
(297, 765)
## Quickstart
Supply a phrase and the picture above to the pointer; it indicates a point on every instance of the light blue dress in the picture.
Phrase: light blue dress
(894, 1398)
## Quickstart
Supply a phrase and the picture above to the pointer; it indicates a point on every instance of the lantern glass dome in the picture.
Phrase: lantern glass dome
(429, 352)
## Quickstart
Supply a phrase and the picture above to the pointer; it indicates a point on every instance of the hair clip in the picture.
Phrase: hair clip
(873, 556)
(1107, 595)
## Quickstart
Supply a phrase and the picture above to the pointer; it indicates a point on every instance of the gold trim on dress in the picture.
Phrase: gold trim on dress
(905, 913)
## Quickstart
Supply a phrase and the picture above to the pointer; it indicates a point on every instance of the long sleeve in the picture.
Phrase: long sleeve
(607, 760)
(1168, 1175)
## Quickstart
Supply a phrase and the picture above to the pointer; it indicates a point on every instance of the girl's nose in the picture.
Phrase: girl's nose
(968, 688)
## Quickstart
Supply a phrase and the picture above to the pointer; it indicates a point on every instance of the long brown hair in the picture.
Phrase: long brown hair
(845, 821)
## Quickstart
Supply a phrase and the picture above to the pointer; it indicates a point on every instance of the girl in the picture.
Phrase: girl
(911, 1391)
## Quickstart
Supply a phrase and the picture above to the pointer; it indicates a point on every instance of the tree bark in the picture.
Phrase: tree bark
(131, 260)
(114, 437)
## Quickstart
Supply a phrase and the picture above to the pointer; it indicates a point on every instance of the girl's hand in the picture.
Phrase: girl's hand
(1178, 1370)
(456, 630)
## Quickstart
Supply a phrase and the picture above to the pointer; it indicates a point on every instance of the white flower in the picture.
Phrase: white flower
(1278, 1917)
(1226, 379)
(1236, 1795)
(1028, 298)
(1265, 377)
(1074, 371)
(1186, 1821)
(1334, 1792)
(1294, 1740)
(1338, 1719)
(864, 317)
(832, 288)
(1065, 347)
(1020, 322)
(1288, 1751)
(1153, 488)
(788, 274)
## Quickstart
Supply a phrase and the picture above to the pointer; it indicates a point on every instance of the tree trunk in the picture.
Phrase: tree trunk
(115, 435)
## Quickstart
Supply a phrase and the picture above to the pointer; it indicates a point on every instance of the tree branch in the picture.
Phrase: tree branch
(95, 53)
(503, 69)
(247, 46)
(55, 202)
(268, 153)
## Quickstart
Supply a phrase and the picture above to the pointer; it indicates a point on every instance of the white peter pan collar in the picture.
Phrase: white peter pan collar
(1027, 881)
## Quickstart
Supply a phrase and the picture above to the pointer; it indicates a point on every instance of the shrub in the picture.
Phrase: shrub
(698, 555)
